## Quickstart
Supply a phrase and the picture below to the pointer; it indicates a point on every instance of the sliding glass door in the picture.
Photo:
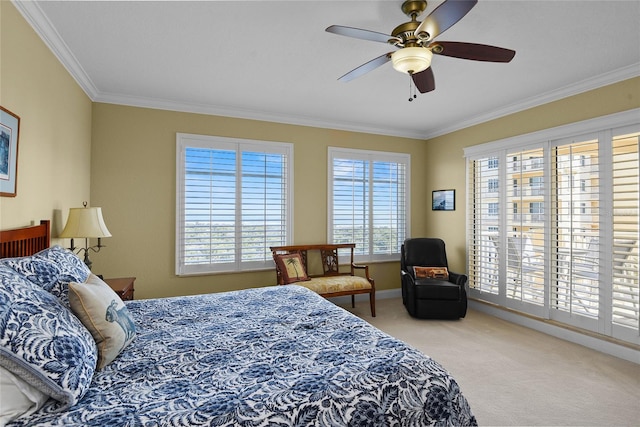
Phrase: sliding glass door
(553, 227)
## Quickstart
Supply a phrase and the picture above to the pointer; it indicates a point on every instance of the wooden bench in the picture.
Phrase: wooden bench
(322, 267)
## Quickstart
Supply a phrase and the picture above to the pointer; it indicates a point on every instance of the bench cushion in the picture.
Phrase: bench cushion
(331, 284)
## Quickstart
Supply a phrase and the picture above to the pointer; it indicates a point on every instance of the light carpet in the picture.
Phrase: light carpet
(515, 376)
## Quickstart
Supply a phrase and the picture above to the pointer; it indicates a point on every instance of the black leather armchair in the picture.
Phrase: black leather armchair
(431, 298)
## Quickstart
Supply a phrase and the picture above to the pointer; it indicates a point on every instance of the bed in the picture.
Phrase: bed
(272, 356)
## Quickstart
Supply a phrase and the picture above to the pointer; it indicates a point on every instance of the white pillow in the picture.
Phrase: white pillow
(18, 397)
(104, 314)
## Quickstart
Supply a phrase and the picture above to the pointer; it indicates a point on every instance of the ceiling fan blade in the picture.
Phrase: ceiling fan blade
(365, 68)
(359, 34)
(473, 51)
(424, 80)
(443, 17)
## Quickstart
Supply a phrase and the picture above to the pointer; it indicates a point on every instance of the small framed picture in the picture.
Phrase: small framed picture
(9, 129)
(443, 200)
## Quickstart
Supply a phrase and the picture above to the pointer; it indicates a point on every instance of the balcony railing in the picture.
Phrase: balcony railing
(536, 163)
(527, 218)
(527, 191)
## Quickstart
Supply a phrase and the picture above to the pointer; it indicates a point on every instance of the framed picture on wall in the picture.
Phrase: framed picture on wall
(9, 129)
(443, 200)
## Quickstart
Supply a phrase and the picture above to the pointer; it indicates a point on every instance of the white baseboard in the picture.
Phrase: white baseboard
(594, 343)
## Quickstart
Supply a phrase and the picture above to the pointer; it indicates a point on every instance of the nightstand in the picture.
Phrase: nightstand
(123, 286)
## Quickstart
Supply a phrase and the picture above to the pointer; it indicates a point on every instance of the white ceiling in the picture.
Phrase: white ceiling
(272, 60)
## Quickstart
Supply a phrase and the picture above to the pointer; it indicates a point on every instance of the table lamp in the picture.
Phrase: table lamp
(85, 223)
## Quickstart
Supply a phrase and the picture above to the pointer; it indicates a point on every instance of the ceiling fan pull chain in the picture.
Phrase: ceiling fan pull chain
(412, 88)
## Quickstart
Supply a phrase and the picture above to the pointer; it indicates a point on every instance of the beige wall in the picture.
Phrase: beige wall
(133, 180)
(447, 166)
(55, 127)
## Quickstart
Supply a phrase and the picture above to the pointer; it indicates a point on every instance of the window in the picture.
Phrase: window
(536, 185)
(233, 203)
(570, 249)
(493, 185)
(536, 209)
(368, 201)
(492, 163)
(583, 185)
(536, 162)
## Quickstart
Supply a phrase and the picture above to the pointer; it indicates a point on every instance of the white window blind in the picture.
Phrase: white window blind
(350, 215)
(626, 200)
(525, 238)
(368, 203)
(482, 248)
(576, 230)
(233, 203)
(560, 240)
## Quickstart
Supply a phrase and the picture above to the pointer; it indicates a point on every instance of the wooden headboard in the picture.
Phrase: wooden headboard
(25, 241)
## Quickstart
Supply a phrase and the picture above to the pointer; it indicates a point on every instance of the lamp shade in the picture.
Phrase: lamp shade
(411, 60)
(85, 222)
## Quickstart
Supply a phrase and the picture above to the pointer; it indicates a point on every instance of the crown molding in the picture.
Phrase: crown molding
(243, 113)
(586, 85)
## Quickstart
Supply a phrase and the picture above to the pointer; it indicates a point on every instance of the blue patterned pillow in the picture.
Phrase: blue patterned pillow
(42, 342)
(52, 269)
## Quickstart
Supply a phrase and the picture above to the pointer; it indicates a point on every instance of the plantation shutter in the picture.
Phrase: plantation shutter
(625, 295)
(264, 204)
(525, 232)
(368, 202)
(482, 247)
(210, 206)
(389, 200)
(576, 232)
(351, 203)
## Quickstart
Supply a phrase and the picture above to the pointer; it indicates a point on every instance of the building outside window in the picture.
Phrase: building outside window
(493, 209)
(493, 185)
(536, 209)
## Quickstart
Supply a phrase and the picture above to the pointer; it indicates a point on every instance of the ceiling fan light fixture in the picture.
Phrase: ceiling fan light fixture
(411, 60)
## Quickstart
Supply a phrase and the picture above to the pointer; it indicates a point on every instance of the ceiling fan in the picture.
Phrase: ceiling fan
(416, 44)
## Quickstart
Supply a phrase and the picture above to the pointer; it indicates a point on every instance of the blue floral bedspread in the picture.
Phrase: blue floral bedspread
(276, 356)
